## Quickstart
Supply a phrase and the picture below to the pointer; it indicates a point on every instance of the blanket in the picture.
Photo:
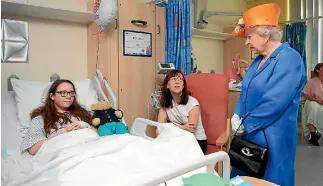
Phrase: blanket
(83, 158)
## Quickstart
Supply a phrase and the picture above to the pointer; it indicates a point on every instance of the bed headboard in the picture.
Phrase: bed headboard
(52, 78)
(13, 76)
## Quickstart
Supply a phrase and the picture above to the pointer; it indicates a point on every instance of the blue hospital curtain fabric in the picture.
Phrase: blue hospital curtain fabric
(178, 34)
(295, 35)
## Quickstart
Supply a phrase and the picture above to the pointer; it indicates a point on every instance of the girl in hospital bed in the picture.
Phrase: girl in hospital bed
(61, 113)
(178, 107)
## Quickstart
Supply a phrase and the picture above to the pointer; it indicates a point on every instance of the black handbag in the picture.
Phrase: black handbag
(248, 156)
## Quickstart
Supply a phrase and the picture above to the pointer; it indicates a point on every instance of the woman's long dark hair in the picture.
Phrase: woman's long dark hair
(50, 114)
(166, 97)
(317, 68)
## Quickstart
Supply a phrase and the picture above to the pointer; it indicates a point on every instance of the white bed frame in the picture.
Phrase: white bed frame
(138, 129)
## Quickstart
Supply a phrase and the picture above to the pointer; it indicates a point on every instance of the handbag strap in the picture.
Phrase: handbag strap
(235, 134)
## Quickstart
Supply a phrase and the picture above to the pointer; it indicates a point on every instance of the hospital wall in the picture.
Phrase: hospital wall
(59, 47)
(209, 52)
(54, 47)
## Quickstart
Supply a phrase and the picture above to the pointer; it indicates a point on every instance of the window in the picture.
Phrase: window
(312, 12)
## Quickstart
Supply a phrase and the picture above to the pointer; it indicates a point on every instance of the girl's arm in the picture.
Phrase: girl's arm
(162, 118)
(34, 149)
(35, 136)
(193, 118)
(162, 115)
(194, 115)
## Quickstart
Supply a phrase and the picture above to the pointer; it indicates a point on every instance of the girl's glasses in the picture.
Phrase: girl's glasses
(65, 93)
(174, 79)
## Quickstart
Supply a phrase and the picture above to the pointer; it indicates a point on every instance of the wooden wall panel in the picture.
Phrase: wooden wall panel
(160, 35)
(160, 58)
(106, 58)
(136, 74)
(132, 79)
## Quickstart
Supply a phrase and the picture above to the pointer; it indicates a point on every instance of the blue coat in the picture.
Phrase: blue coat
(269, 101)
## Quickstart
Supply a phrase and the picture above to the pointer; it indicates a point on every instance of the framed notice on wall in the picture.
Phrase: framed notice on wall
(136, 43)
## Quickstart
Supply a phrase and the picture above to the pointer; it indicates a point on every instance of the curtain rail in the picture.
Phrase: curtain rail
(299, 20)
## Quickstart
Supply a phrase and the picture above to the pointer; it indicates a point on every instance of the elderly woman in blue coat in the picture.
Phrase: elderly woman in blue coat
(271, 92)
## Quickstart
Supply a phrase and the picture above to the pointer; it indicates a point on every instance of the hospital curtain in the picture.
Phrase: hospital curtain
(295, 35)
(178, 35)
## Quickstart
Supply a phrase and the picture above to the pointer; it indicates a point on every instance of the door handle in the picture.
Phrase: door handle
(139, 22)
(158, 29)
(116, 24)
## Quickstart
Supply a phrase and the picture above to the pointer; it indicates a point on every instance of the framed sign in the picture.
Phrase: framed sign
(136, 43)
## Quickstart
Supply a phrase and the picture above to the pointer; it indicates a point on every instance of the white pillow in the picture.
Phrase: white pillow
(85, 93)
(10, 139)
(27, 96)
(31, 94)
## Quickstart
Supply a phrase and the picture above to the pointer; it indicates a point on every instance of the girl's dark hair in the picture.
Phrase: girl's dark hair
(317, 69)
(50, 114)
(166, 97)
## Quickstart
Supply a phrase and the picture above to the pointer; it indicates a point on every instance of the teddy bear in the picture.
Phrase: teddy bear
(107, 120)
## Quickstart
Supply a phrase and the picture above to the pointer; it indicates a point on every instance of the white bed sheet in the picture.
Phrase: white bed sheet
(83, 158)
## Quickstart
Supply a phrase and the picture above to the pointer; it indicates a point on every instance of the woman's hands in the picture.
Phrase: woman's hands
(188, 127)
(319, 101)
(193, 118)
(73, 126)
(235, 124)
(313, 98)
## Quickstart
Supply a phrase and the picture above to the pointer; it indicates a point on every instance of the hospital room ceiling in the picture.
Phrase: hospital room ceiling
(220, 21)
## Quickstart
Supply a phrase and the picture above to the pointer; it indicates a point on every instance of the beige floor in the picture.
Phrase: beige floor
(309, 164)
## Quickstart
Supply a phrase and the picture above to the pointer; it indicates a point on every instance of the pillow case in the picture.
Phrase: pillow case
(29, 95)
(10, 140)
(85, 93)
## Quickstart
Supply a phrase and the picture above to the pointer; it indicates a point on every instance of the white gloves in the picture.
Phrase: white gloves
(235, 122)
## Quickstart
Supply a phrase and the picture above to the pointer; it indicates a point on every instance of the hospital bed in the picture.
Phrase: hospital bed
(160, 167)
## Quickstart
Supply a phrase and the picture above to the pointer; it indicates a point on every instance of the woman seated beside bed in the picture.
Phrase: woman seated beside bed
(313, 93)
(178, 107)
(61, 113)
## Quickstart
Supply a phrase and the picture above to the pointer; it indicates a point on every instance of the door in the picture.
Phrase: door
(136, 74)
